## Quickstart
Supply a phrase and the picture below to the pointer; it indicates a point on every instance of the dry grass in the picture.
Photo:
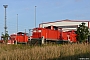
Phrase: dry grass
(46, 52)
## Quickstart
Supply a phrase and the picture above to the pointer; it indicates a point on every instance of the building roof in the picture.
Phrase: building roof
(67, 20)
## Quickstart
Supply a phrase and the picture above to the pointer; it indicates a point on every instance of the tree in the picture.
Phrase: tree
(5, 36)
(82, 32)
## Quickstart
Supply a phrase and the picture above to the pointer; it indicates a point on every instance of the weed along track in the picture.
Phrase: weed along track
(47, 52)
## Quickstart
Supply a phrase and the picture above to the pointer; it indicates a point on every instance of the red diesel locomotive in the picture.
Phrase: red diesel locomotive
(53, 34)
(20, 37)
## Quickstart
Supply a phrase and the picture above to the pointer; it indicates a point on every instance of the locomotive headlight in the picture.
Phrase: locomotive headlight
(39, 30)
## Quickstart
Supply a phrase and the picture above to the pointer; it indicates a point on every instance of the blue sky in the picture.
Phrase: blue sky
(46, 11)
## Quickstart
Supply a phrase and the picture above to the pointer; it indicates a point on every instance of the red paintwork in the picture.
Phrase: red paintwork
(10, 42)
(1, 41)
(21, 37)
(47, 33)
(51, 34)
(70, 36)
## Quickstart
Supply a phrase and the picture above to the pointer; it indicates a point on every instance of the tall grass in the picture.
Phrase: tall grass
(46, 52)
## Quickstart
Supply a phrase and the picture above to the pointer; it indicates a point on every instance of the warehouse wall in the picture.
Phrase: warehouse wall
(89, 25)
(64, 23)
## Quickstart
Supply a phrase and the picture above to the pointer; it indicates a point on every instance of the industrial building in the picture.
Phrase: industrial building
(66, 25)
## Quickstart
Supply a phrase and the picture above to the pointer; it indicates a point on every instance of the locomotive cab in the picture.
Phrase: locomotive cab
(21, 37)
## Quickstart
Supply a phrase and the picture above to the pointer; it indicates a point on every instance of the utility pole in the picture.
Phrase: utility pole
(17, 30)
(17, 23)
(35, 16)
(5, 6)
